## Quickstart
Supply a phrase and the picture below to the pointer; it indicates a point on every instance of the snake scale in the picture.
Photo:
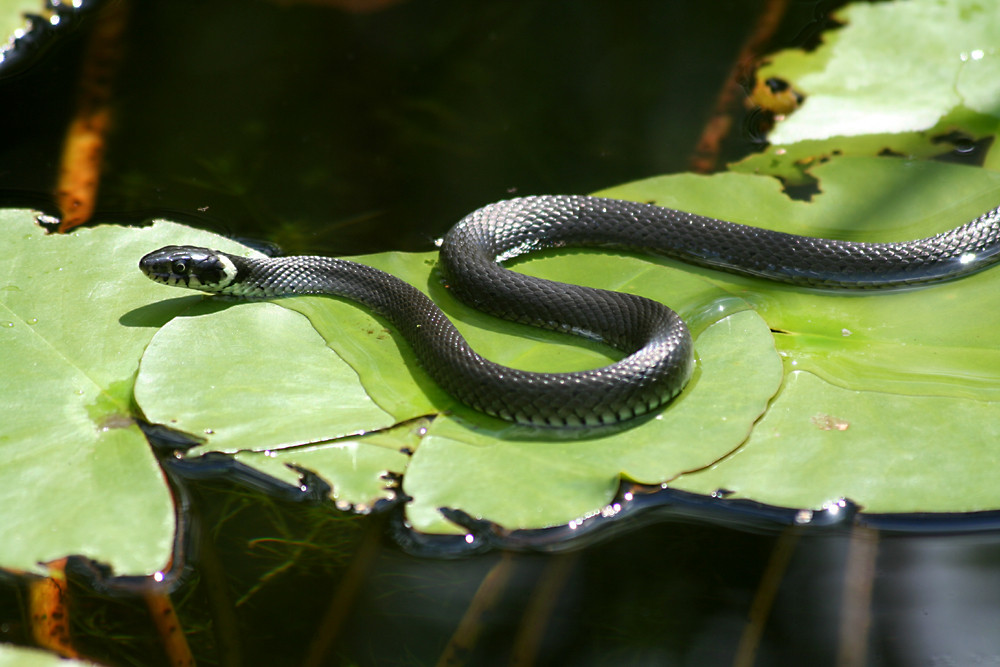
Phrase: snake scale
(656, 342)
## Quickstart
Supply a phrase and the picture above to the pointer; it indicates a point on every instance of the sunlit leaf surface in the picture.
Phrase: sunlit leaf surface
(77, 475)
(937, 81)
(887, 452)
(17, 656)
(262, 379)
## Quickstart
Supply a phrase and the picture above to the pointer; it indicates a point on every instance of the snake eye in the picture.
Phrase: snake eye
(179, 267)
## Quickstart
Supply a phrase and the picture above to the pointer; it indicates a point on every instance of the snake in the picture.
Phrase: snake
(657, 345)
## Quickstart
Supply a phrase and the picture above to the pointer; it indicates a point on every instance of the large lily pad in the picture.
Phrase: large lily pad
(77, 474)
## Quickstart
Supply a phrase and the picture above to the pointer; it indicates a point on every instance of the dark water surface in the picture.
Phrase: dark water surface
(333, 133)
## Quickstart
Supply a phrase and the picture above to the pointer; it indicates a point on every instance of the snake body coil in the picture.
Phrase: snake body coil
(656, 341)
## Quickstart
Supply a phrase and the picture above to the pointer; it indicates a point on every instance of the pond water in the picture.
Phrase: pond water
(335, 132)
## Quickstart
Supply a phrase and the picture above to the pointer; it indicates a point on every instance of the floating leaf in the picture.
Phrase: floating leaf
(18, 656)
(12, 20)
(252, 377)
(938, 74)
(887, 452)
(78, 476)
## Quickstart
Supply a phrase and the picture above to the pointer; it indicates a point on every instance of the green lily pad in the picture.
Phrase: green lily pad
(306, 394)
(12, 19)
(945, 80)
(18, 656)
(887, 452)
(77, 473)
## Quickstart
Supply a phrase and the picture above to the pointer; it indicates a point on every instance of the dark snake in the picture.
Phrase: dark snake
(656, 341)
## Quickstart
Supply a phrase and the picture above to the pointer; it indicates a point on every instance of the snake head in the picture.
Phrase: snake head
(189, 266)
